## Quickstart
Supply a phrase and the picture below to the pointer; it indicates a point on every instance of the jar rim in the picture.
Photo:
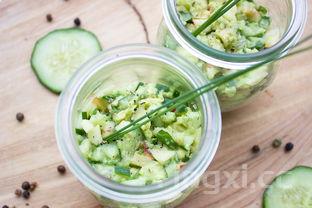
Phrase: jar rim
(106, 187)
(222, 59)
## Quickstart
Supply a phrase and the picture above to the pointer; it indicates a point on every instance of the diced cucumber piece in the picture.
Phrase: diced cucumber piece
(85, 148)
(87, 125)
(140, 160)
(107, 153)
(98, 154)
(265, 22)
(57, 55)
(162, 155)
(153, 171)
(105, 170)
(172, 169)
(140, 181)
(185, 16)
(94, 135)
(181, 153)
(111, 151)
(253, 30)
(292, 189)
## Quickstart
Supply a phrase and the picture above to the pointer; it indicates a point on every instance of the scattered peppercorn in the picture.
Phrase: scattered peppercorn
(289, 146)
(255, 149)
(5, 206)
(49, 18)
(45, 206)
(77, 22)
(26, 194)
(276, 143)
(27, 204)
(26, 185)
(20, 117)
(61, 169)
(18, 192)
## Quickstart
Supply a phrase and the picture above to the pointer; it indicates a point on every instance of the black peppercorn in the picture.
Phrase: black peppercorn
(49, 18)
(289, 146)
(26, 194)
(276, 143)
(77, 22)
(26, 185)
(5, 206)
(255, 149)
(45, 206)
(20, 117)
(61, 169)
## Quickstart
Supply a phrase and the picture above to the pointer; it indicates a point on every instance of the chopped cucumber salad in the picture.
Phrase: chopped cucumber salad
(246, 28)
(154, 152)
(243, 29)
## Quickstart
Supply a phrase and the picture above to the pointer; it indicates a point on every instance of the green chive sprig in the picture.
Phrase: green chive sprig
(193, 94)
(215, 16)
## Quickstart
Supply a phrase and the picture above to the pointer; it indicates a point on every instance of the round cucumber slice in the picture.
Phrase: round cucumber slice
(57, 55)
(292, 189)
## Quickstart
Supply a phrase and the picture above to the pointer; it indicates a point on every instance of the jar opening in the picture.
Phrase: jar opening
(296, 18)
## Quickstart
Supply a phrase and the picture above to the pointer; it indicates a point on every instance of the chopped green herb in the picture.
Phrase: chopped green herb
(166, 139)
(262, 10)
(80, 132)
(85, 115)
(139, 85)
(176, 93)
(122, 171)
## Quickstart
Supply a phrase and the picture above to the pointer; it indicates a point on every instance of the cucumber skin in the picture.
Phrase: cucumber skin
(53, 31)
(265, 197)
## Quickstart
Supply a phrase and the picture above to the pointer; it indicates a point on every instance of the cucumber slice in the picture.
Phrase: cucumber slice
(57, 55)
(292, 189)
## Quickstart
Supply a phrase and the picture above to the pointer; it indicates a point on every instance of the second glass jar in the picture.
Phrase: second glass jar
(288, 21)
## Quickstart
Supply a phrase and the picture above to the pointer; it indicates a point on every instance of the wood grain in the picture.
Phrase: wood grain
(28, 150)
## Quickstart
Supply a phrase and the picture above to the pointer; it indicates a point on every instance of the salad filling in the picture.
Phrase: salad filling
(245, 28)
(154, 152)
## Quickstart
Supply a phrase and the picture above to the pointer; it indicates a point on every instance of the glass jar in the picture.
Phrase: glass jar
(119, 67)
(288, 20)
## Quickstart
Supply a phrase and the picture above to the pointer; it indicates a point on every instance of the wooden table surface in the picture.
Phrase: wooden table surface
(28, 150)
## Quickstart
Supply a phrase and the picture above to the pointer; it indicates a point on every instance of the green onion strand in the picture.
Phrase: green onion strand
(215, 16)
(193, 94)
